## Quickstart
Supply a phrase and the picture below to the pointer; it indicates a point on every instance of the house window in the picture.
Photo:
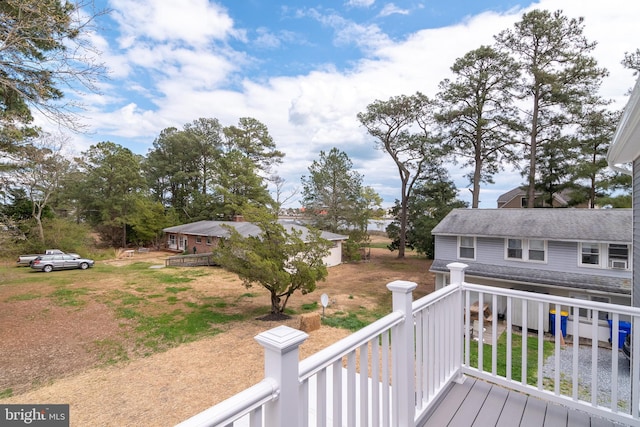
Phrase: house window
(618, 256)
(208, 240)
(198, 239)
(536, 250)
(590, 254)
(586, 314)
(533, 250)
(514, 248)
(467, 247)
(172, 240)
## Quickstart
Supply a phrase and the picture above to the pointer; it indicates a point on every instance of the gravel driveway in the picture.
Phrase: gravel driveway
(604, 374)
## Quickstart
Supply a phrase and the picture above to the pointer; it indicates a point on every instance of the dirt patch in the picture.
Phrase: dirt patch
(50, 352)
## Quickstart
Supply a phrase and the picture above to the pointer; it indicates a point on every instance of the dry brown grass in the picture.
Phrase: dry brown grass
(47, 356)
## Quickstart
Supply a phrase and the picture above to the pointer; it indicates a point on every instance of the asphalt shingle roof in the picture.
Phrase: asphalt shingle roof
(593, 225)
(543, 277)
(216, 229)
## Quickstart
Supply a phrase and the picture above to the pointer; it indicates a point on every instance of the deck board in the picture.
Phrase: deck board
(512, 411)
(472, 405)
(534, 413)
(600, 422)
(578, 419)
(493, 407)
(556, 416)
(479, 403)
(449, 406)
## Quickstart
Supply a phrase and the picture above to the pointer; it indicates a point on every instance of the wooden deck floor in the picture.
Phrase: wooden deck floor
(478, 403)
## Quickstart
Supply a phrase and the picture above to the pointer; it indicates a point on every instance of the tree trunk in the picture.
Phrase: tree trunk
(531, 192)
(402, 241)
(476, 183)
(275, 304)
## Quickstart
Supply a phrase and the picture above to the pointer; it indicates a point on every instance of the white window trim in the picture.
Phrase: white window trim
(589, 316)
(628, 260)
(604, 257)
(475, 247)
(525, 251)
(506, 249)
(600, 256)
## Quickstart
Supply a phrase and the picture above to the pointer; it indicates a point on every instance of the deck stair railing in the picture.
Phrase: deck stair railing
(570, 369)
(392, 372)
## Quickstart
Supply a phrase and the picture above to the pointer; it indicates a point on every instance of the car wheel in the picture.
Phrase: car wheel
(48, 268)
(84, 266)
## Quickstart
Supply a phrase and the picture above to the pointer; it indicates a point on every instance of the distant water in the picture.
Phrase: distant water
(378, 224)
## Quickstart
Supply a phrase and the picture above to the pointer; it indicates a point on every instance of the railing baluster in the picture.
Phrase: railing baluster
(255, 418)
(494, 335)
(576, 352)
(386, 406)
(438, 359)
(459, 324)
(635, 367)
(351, 389)
(375, 381)
(467, 329)
(431, 369)
(303, 411)
(594, 358)
(525, 315)
(420, 358)
(557, 327)
(541, 343)
(337, 391)
(446, 349)
(509, 338)
(480, 332)
(614, 363)
(321, 399)
(364, 385)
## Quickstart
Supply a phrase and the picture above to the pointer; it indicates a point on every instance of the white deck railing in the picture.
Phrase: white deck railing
(393, 371)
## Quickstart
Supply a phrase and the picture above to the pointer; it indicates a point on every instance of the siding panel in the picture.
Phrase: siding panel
(635, 293)
(561, 256)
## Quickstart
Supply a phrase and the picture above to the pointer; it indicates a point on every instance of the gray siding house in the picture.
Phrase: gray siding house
(624, 156)
(577, 253)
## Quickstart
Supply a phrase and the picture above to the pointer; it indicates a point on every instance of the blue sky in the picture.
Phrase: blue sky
(305, 69)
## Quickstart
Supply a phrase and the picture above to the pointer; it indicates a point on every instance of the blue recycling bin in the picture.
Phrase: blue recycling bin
(564, 315)
(624, 329)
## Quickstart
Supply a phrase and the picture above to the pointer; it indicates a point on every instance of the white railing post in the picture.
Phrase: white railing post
(402, 348)
(456, 271)
(281, 364)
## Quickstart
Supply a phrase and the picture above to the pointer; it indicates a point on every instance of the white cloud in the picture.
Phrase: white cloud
(392, 9)
(267, 39)
(347, 32)
(192, 21)
(315, 111)
(360, 3)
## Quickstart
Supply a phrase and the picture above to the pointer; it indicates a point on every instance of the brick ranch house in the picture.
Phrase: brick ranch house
(204, 236)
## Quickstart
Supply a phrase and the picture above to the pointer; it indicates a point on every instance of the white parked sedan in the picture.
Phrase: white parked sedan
(48, 263)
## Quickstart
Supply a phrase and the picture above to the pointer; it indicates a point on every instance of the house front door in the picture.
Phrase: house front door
(182, 243)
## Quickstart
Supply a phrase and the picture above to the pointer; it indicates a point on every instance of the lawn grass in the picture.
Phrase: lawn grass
(516, 356)
(354, 320)
(158, 310)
